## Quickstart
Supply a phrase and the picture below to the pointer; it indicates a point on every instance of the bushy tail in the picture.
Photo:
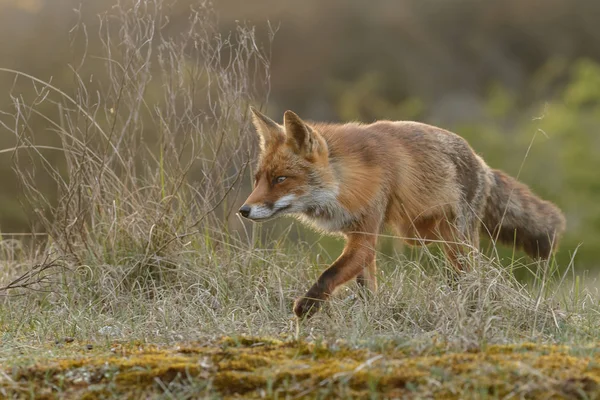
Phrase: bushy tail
(514, 215)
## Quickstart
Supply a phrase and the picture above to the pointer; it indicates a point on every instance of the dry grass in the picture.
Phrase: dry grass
(143, 245)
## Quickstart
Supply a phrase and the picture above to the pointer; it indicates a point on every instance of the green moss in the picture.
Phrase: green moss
(245, 341)
(255, 367)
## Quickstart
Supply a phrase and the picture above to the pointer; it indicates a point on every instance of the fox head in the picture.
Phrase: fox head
(293, 173)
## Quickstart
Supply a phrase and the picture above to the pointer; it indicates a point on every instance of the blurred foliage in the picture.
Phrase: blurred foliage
(520, 80)
(362, 100)
(556, 153)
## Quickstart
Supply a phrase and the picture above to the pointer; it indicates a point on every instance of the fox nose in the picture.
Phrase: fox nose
(245, 210)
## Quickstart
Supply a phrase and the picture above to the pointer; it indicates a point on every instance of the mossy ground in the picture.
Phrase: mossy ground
(269, 368)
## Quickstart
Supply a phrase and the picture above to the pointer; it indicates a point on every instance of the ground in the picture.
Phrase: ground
(247, 367)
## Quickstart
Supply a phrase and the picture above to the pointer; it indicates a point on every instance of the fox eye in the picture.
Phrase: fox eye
(279, 179)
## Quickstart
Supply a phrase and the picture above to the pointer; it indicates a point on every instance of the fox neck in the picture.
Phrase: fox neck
(325, 212)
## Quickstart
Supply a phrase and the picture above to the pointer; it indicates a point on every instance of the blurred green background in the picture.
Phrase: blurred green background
(519, 79)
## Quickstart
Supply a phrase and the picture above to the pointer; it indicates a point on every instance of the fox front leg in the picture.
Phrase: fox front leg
(367, 278)
(357, 255)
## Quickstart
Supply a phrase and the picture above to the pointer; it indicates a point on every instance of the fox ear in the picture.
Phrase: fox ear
(268, 130)
(300, 136)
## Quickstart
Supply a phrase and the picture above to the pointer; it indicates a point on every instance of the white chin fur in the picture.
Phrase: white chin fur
(284, 202)
(260, 212)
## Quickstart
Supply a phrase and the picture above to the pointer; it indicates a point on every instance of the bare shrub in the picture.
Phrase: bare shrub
(154, 138)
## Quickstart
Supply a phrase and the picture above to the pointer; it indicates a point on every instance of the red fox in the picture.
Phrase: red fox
(424, 182)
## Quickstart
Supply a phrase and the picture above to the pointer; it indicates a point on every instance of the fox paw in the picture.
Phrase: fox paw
(306, 307)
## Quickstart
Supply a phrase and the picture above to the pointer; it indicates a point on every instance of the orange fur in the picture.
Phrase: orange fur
(423, 181)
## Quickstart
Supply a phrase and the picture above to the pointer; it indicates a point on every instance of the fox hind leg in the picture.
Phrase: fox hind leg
(461, 238)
